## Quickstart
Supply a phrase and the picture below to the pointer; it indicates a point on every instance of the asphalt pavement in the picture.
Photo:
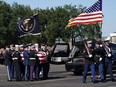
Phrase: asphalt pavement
(58, 77)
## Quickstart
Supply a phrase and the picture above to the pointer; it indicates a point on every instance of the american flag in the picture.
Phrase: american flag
(92, 15)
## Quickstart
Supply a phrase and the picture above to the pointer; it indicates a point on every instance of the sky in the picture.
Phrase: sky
(108, 9)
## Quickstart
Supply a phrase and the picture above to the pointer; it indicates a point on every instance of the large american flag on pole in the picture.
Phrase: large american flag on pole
(92, 15)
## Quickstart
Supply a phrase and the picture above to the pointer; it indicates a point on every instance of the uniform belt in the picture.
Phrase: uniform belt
(42, 58)
(32, 58)
(22, 58)
(15, 58)
(98, 55)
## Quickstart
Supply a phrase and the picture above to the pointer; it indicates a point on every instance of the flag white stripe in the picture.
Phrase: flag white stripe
(87, 17)
(93, 13)
(90, 15)
(92, 20)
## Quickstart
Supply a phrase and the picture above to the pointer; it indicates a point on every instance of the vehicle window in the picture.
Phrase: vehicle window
(61, 51)
(114, 51)
(72, 52)
(77, 52)
(61, 48)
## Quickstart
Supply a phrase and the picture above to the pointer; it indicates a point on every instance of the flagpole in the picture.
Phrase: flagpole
(101, 31)
(102, 20)
(85, 44)
(87, 18)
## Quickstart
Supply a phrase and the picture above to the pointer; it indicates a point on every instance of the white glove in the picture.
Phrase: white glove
(101, 45)
(90, 55)
(100, 59)
(109, 55)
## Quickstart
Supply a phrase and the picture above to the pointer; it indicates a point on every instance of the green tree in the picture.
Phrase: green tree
(5, 16)
(20, 12)
(52, 23)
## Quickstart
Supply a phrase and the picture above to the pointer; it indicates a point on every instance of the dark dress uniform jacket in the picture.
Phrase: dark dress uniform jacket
(26, 57)
(88, 60)
(32, 57)
(16, 54)
(99, 53)
(8, 58)
(17, 64)
(108, 59)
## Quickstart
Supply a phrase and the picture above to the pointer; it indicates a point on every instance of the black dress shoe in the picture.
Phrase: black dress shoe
(37, 79)
(95, 81)
(84, 81)
(9, 80)
(113, 80)
(32, 80)
(103, 80)
(18, 80)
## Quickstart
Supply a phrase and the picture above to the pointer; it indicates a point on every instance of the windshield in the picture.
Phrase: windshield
(61, 48)
(61, 51)
(114, 51)
(76, 52)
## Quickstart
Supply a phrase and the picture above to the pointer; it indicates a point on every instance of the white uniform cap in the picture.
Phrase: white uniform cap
(89, 42)
(36, 44)
(16, 45)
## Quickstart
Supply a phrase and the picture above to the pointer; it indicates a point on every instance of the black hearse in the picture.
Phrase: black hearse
(76, 59)
(60, 53)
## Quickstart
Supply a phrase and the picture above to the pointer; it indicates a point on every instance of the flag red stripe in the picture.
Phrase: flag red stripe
(87, 18)
(89, 14)
(92, 22)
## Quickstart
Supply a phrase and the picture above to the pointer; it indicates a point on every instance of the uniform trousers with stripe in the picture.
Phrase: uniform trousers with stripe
(108, 66)
(31, 72)
(45, 67)
(17, 70)
(86, 67)
(101, 70)
(37, 71)
(9, 72)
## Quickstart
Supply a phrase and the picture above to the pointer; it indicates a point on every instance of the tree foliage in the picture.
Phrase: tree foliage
(52, 24)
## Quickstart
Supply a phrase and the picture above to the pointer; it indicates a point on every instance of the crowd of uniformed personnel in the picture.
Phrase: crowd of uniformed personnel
(99, 55)
(24, 63)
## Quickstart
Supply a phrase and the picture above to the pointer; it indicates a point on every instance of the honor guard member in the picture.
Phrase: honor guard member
(44, 63)
(12, 49)
(26, 62)
(8, 63)
(32, 61)
(17, 63)
(48, 55)
(99, 58)
(21, 49)
(2, 52)
(108, 61)
(37, 78)
(37, 67)
(89, 62)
